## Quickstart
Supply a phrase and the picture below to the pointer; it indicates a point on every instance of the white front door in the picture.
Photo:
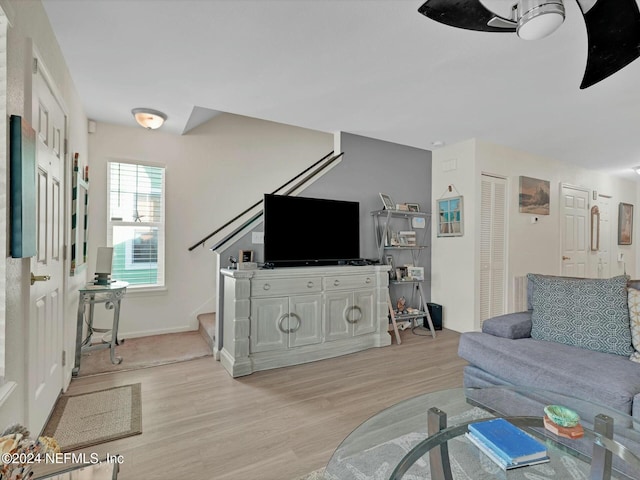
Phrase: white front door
(574, 214)
(45, 328)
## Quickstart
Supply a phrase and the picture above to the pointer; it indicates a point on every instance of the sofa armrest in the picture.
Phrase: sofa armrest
(512, 325)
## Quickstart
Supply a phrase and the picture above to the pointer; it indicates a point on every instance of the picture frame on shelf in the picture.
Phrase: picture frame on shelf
(407, 238)
(245, 256)
(625, 224)
(415, 273)
(413, 207)
(401, 273)
(450, 217)
(389, 261)
(387, 202)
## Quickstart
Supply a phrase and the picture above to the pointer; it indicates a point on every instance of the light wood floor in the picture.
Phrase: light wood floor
(199, 423)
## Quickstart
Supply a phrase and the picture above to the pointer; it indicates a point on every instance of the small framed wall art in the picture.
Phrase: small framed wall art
(534, 196)
(450, 217)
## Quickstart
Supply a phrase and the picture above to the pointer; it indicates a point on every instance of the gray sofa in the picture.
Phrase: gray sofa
(505, 353)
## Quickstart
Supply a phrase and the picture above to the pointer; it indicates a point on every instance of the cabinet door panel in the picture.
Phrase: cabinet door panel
(336, 307)
(267, 316)
(365, 301)
(305, 320)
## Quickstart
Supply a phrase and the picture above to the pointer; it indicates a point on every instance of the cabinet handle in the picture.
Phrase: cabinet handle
(280, 320)
(266, 286)
(368, 280)
(355, 320)
(336, 283)
(310, 285)
(294, 330)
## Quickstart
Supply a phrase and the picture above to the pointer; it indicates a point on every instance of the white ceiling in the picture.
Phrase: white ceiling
(371, 67)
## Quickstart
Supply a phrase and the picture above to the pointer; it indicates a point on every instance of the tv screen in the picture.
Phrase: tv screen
(310, 231)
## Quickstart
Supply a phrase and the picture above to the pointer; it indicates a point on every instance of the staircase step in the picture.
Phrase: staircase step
(207, 327)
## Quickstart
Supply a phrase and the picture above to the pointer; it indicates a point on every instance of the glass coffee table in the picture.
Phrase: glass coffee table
(424, 438)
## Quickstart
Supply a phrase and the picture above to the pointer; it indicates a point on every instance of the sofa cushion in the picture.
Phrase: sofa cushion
(594, 376)
(511, 325)
(634, 316)
(590, 313)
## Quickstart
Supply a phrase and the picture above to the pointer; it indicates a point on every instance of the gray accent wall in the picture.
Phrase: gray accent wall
(368, 167)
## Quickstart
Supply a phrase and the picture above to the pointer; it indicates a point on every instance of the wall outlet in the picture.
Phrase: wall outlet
(257, 238)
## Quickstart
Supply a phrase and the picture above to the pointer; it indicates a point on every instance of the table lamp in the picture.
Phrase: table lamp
(104, 260)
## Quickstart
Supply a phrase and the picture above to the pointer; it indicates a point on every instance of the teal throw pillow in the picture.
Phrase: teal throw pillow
(590, 313)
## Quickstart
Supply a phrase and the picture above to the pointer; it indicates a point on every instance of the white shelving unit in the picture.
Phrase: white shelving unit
(403, 249)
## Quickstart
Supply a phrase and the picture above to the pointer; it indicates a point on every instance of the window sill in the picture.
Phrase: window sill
(146, 291)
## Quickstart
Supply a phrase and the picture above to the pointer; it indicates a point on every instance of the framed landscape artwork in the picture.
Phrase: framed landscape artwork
(625, 224)
(450, 218)
(534, 196)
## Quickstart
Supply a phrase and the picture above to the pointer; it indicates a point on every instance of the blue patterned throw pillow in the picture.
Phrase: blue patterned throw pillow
(590, 313)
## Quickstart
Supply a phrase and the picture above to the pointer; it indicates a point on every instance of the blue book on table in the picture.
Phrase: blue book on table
(501, 462)
(511, 443)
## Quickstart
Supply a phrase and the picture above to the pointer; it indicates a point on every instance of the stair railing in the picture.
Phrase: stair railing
(308, 174)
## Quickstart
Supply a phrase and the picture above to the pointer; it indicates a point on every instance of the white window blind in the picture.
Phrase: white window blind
(136, 223)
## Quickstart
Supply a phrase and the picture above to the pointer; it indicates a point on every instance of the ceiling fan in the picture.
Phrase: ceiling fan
(613, 27)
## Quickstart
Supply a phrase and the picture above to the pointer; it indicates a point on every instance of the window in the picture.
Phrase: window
(136, 223)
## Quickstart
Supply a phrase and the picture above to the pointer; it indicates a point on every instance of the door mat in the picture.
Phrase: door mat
(87, 419)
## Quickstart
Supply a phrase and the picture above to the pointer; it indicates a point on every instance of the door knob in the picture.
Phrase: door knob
(39, 278)
(566, 258)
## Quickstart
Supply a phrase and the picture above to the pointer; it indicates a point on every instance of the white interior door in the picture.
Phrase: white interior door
(493, 248)
(574, 229)
(45, 329)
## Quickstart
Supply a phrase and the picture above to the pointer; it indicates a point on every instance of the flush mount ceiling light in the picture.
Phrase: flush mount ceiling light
(148, 118)
(538, 18)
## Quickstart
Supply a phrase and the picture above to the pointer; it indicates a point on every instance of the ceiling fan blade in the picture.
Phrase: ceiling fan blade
(467, 14)
(613, 32)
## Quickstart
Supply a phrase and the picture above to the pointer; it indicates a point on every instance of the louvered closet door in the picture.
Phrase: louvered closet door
(493, 229)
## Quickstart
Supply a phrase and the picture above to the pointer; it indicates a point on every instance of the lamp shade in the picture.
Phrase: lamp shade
(149, 118)
(539, 18)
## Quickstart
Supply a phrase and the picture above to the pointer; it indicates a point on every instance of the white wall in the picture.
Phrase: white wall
(531, 247)
(453, 259)
(212, 174)
(30, 28)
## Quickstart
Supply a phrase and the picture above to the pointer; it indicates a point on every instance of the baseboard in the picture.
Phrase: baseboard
(160, 331)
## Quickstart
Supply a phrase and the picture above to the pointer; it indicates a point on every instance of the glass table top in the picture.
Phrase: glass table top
(379, 445)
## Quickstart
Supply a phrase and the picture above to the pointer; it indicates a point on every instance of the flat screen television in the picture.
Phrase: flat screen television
(310, 231)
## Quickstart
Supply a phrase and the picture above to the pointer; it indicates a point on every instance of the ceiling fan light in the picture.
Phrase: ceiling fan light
(148, 118)
(538, 18)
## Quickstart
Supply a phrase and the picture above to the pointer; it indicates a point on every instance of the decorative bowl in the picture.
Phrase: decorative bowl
(563, 416)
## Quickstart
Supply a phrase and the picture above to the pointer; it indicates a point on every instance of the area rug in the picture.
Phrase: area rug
(315, 475)
(87, 419)
(467, 462)
(145, 352)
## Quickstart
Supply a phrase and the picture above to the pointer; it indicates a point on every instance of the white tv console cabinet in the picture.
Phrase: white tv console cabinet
(287, 316)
